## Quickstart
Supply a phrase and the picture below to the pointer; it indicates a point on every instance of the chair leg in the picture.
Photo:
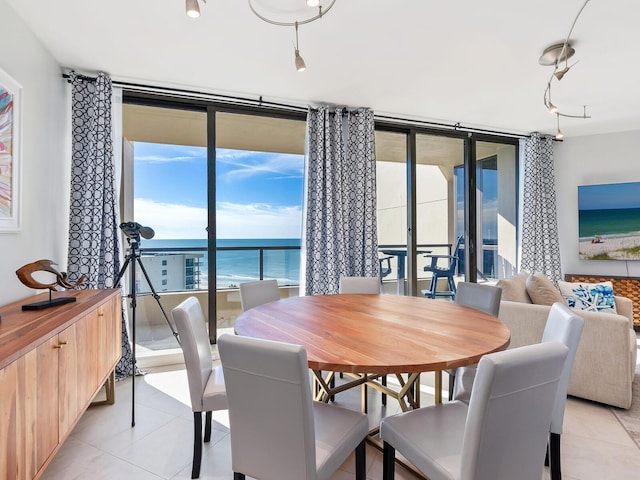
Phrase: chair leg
(207, 427)
(384, 395)
(452, 286)
(361, 461)
(452, 383)
(433, 286)
(197, 444)
(554, 456)
(388, 462)
(238, 476)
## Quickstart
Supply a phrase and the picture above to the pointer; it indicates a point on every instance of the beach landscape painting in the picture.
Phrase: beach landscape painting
(609, 221)
(10, 93)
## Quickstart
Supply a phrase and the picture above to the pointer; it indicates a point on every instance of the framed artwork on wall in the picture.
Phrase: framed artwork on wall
(10, 142)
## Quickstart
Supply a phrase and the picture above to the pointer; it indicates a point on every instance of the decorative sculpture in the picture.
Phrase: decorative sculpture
(25, 275)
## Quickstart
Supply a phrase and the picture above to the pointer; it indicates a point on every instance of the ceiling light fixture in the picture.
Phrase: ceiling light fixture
(559, 134)
(193, 9)
(300, 65)
(299, 62)
(555, 55)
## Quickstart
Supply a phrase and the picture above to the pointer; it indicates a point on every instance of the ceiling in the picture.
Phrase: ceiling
(468, 62)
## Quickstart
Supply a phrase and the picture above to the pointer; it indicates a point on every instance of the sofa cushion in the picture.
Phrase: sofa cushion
(595, 297)
(514, 289)
(542, 291)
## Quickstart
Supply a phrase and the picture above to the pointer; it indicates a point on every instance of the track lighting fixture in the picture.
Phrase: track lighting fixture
(559, 134)
(555, 55)
(193, 9)
(300, 65)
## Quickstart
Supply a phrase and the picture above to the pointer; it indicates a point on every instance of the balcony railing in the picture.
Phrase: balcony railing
(196, 268)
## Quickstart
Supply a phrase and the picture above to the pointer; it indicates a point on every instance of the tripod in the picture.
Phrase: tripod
(133, 256)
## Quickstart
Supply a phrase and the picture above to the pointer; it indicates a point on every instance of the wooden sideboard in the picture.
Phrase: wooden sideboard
(52, 364)
(628, 287)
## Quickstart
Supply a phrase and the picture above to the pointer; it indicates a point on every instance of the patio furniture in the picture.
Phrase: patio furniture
(438, 271)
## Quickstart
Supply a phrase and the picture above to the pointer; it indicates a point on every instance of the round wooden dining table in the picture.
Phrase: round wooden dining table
(369, 336)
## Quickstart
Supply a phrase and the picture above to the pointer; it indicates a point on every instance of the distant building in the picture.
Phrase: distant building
(169, 272)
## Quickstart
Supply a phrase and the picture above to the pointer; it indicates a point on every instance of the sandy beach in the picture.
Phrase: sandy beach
(613, 246)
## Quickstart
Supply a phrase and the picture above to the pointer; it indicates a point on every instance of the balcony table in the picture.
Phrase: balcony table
(367, 336)
(401, 253)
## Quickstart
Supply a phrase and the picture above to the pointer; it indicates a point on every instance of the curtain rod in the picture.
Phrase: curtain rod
(236, 100)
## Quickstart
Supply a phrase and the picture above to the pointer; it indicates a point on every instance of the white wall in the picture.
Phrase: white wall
(595, 159)
(45, 156)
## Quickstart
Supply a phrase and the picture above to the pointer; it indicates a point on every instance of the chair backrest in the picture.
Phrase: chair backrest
(270, 408)
(256, 293)
(194, 340)
(510, 409)
(359, 285)
(481, 297)
(564, 326)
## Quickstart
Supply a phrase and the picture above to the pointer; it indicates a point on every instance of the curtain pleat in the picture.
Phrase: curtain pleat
(93, 220)
(340, 226)
(540, 247)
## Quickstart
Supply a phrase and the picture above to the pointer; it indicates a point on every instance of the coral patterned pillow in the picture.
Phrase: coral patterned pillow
(596, 297)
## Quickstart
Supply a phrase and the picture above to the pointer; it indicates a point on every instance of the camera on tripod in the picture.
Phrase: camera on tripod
(134, 231)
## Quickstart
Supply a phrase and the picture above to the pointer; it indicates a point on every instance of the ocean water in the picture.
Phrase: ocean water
(621, 221)
(237, 266)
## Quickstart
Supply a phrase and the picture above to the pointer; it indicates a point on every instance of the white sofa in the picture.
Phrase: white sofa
(605, 362)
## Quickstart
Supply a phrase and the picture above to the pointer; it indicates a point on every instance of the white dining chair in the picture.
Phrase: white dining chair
(277, 431)
(257, 293)
(565, 326)
(359, 285)
(206, 384)
(481, 297)
(500, 435)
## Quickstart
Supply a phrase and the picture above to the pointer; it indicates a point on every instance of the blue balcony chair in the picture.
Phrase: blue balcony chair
(439, 271)
(385, 266)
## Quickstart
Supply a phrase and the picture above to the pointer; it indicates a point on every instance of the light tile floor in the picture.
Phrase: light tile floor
(104, 445)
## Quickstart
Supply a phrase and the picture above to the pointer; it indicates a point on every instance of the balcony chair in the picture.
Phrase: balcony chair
(256, 293)
(206, 384)
(481, 297)
(564, 326)
(447, 272)
(500, 435)
(385, 266)
(277, 431)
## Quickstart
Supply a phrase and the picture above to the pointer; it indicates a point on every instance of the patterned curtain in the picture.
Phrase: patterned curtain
(94, 249)
(340, 228)
(540, 248)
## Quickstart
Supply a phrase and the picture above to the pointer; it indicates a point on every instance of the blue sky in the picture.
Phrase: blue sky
(258, 195)
(609, 196)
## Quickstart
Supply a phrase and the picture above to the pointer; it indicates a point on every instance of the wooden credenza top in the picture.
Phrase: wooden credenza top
(23, 330)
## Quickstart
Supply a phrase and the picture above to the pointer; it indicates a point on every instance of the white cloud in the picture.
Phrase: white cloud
(233, 220)
(168, 159)
(258, 221)
(249, 164)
